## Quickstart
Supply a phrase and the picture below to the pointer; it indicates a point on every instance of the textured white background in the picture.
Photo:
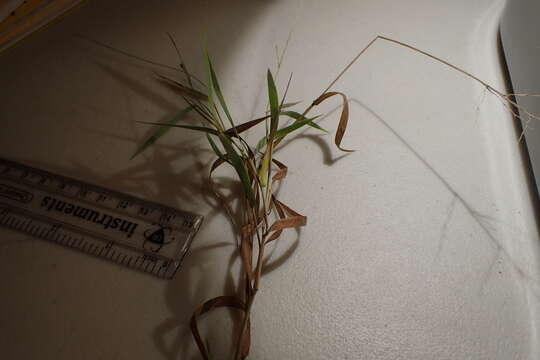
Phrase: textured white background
(421, 245)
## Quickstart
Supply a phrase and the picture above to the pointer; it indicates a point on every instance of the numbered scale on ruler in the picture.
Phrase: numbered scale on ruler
(118, 227)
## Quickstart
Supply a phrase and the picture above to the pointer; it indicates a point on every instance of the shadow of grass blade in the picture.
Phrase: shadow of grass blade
(189, 127)
(164, 128)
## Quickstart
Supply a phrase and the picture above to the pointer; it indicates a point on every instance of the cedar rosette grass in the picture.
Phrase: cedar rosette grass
(263, 216)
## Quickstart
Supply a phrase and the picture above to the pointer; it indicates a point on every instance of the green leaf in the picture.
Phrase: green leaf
(281, 133)
(211, 102)
(189, 127)
(214, 146)
(239, 166)
(291, 104)
(274, 104)
(162, 131)
(260, 144)
(298, 116)
(217, 89)
(294, 126)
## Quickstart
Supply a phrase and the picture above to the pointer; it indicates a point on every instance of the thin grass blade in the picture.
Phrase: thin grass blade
(289, 105)
(297, 116)
(214, 146)
(281, 133)
(245, 126)
(239, 166)
(182, 89)
(217, 90)
(274, 103)
(211, 102)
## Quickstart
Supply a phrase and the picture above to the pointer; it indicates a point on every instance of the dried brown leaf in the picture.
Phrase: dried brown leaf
(243, 127)
(290, 222)
(276, 234)
(217, 302)
(282, 172)
(344, 118)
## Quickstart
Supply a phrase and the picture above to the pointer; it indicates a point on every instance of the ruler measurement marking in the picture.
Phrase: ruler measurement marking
(158, 225)
(77, 229)
(16, 222)
(10, 221)
(27, 225)
(165, 211)
(42, 231)
(147, 264)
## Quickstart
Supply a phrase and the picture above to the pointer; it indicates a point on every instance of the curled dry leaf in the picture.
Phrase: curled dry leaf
(281, 214)
(290, 222)
(281, 173)
(217, 302)
(343, 119)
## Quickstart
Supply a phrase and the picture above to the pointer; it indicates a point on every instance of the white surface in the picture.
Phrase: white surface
(420, 245)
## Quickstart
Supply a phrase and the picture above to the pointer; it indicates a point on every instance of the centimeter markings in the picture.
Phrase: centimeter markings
(96, 195)
(94, 220)
(92, 244)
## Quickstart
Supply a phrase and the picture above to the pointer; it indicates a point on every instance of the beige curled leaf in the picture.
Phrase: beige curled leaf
(290, 222)
(282, 172)
(220, 301)
(343, 120)
(287, 209)
(276, 234)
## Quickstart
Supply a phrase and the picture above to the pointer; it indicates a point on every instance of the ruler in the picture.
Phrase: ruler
(30, 16)
(124, 229)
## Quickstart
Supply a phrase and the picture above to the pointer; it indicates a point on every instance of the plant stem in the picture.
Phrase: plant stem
(251, 298)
